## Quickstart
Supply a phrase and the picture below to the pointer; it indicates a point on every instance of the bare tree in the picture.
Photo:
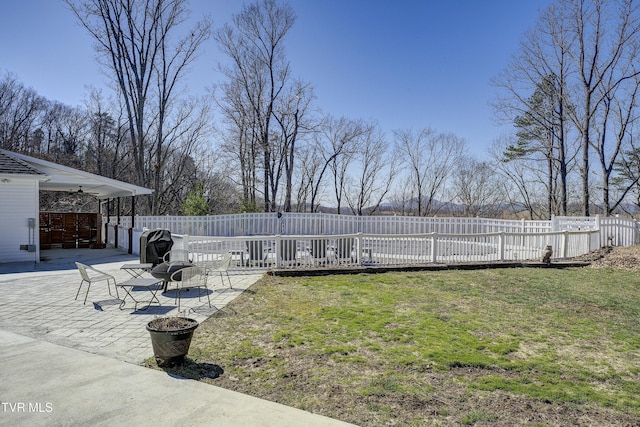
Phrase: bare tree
(614, 126)
(534, 96)
(259, 69)
(189, 127)
(310, 166)
(571, 68)
(335, 142)
(135, 38)
(607, 38)
(21, 110)
(477, 187)
(107, 151)
(240, 145)
(376, 167)
(292, 117)
(429, 158)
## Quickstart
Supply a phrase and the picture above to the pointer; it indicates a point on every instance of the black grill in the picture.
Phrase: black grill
(153, 245)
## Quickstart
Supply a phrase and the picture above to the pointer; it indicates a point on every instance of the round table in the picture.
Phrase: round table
(165, 270)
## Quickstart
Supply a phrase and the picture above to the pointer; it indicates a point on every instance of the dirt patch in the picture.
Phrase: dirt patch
(627, 258)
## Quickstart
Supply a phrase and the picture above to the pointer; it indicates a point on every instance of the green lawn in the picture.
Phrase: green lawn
(490, 347)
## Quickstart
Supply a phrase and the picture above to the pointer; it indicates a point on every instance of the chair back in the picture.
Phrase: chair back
(176, 255)
(192, 277)
(256, 252)
(83, 271)
(225, 262)
(344, 246)
(288, 250)
(319, 248)
(221, 264)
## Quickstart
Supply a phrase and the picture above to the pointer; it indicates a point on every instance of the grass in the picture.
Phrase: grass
(490, 347)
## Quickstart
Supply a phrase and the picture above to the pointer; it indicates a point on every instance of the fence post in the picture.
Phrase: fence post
(501, 239)
(278, 249)
(185, 242)
(565, 244)
(359, 247)
(434, 247)
(598, 225)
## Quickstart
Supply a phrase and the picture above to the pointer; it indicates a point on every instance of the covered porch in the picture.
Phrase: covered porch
(59, 178)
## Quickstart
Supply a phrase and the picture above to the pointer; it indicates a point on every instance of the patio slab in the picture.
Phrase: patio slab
(40, 303)
(64, 362)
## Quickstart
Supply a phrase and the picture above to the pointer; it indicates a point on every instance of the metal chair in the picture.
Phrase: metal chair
(257, 254)
(92, 275)
(192, 277)
(218, 266)
(344, 250)
(288, 251)
(318, 251)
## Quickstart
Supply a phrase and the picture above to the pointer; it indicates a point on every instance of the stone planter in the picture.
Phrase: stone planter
(171, 338)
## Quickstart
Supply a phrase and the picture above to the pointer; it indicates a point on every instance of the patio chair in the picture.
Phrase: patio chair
(92, 275)
(192, 277)
(176, 255)
(218, 266)
(318, 251)
(288, 252)
(257, 254)
(344, 248)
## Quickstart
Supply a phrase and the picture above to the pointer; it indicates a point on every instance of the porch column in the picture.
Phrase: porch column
(106, 225)
(133, 216)
(117, 227)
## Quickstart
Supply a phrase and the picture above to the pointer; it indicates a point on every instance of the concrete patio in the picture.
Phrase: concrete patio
(64, 362)
(40, 303)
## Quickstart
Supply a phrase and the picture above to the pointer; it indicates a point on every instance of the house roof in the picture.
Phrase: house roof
(55, 177)
(13, 166)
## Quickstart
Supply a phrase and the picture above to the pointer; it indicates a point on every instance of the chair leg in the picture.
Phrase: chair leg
(87, 294)
(208, 298)
(79, 287)
(115, 285)
(228, 278)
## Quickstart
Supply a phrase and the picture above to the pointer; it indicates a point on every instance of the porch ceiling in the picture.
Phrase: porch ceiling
(62, 178)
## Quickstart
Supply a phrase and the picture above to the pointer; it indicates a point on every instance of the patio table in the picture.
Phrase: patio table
(136, 270)
(151, 285)
(165, 270)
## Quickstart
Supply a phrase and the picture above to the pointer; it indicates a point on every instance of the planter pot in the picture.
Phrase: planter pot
(171, 338)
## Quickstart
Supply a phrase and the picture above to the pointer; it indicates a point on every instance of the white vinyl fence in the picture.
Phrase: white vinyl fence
(347, 250)
(292, 223)
(294, 240)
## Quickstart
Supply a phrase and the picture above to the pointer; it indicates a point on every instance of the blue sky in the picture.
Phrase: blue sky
(403, 63)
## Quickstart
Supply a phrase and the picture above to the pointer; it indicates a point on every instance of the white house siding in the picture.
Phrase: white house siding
(18, 202)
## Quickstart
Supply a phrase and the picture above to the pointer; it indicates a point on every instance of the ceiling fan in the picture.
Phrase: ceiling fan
(81, 191)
